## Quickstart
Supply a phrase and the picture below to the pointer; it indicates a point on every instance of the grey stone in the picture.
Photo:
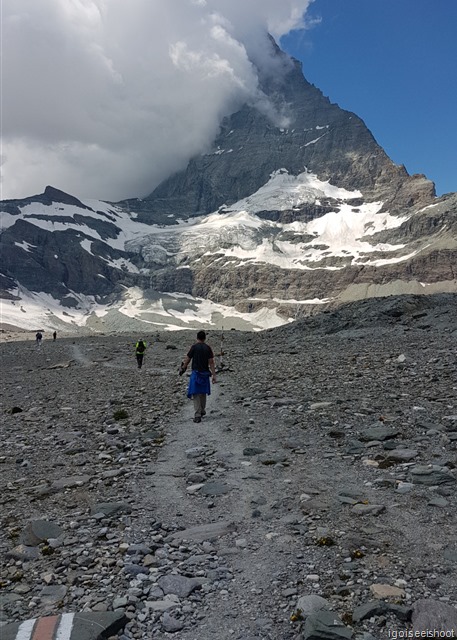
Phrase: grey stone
(138, 550)
(178, 585)
(325, 625)
(451, 423)
(119, 603)
(401, 611)
(432, 614)
(110, 509)
(155, 592)
(390, 445)
(273, 458)
(368, 610)
(378, 432)
(195, 452)
(214, 489)
(404, 487)
(252, 451)
(402, 455)
(284, 402)
(170, 601)
(171, 624)
(310, 604)
(368, 509)
(23, 552)
(451, 555)
(378, 608)
(53, 594)
(9, 598)
(354, 447)
(320, 405)
(203, 532)
(355, 494)
(38, 531)
(438, 501)
(70, 482)
(135, 569)
(196, 478)
(431, 476)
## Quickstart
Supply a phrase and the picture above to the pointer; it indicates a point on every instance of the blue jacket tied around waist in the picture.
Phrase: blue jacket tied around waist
(199, 383)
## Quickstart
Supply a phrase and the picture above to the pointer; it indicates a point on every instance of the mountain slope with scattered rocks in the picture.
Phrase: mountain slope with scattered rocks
(317, 497)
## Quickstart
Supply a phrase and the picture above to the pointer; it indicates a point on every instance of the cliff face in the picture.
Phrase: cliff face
(303, 130)
(294, 208)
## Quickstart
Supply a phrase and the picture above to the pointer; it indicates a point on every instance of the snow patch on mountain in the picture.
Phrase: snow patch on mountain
(61, 217)
(136, 310)
(25, 245)
(41, 310)
(239, 234)
(284, 191)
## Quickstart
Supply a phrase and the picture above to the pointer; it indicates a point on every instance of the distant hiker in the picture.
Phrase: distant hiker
(54, 336)
(203, 368)
(140, 349)
(38, 338)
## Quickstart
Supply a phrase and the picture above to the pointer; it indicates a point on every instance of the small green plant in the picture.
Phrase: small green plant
(296, 616)
(17, 577)
(14, 532)
(120, 414)
(46, 550)
(325, 541)
(347, 617)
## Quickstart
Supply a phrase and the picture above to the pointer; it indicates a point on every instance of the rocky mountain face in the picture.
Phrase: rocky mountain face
(294, 208)
(302, 129)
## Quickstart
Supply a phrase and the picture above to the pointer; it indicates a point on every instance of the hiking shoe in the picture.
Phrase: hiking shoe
(203, 413)
(197, 419)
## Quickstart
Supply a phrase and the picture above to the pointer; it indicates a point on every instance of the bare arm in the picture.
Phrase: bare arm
(184, 365)
(212, 369)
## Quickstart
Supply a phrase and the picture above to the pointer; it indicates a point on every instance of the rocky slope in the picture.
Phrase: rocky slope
(320, 487)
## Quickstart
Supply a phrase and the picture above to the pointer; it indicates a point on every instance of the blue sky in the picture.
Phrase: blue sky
(394, 64)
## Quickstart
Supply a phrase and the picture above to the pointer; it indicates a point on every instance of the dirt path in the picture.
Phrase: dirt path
(253, 549)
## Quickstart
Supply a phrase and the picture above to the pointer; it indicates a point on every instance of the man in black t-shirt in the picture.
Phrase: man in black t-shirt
(202, 358)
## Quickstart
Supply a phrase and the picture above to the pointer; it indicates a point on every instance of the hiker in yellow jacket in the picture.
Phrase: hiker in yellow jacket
(140, 350)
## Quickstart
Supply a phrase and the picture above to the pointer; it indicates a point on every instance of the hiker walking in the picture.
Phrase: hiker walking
(203, 368)
(140, 349)
(54, 336)
(38, 338)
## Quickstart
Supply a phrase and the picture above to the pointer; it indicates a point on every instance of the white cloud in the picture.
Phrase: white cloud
(105, 98)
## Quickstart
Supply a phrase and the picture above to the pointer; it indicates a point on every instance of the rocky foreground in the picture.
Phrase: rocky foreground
(317, 499)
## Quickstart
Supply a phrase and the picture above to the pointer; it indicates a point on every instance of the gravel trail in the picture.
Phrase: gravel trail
(326, 466)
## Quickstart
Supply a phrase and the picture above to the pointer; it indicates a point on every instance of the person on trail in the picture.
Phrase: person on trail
(54, 336)
(203, 368)
(140, 349)
(38, 337)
